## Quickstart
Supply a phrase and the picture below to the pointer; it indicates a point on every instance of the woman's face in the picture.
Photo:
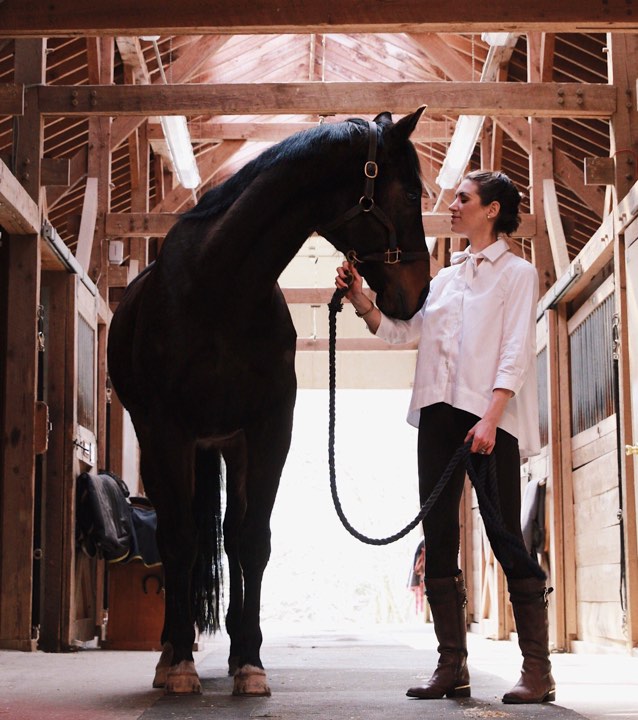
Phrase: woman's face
(469, 216)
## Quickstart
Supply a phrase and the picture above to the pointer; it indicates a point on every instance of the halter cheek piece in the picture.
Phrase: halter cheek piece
(393, 253)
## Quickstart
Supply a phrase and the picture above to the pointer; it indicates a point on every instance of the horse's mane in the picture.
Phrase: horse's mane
(301, 145)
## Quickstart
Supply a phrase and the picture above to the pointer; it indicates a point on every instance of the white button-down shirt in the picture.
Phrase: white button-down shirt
(477, 332)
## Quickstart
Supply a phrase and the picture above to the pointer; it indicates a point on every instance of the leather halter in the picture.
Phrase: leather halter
(393, 253)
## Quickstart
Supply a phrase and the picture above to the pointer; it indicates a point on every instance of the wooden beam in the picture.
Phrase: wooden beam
(19, 214)
(210, 131)
(321, 344)
(210, 166)
(518, 129)
(455, 65)
(541, 167)
(623, 63)
(77, 172)
(557, 241)
(181, 70)
(447, 98)
(132, 56)
(313, 296)
(572, 176)
(159, 223)
(87, 223)
(192, 17)
(11, 99)
(99, 166)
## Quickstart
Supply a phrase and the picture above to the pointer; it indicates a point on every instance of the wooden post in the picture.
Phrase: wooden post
(623, 67)
(18, 472)
(541, 168)
(18, 485)
(562, 558)
(58, 494)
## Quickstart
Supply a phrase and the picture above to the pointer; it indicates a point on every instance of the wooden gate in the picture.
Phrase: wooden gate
(72, 583)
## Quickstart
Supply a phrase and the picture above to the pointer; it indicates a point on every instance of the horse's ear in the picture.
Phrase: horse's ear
(384, 119)
(405, 127)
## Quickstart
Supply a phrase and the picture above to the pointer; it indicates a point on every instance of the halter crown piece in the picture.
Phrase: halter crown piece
(393, 253)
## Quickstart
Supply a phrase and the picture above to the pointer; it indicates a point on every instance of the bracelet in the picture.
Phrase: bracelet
(367, 312)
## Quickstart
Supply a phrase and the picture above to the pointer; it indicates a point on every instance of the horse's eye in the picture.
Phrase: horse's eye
(413, 196)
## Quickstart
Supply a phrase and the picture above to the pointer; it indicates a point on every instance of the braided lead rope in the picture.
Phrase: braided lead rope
(484, 481)
(335, 306)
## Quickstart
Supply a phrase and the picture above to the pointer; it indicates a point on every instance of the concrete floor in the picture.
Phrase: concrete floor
(347, 675)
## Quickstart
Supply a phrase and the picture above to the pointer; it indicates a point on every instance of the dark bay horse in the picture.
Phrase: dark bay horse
(202, 347)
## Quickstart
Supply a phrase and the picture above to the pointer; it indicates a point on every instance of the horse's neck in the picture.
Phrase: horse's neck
(265, 233)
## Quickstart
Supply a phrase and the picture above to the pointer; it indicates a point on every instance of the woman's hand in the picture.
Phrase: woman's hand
(483, 437)
(348, 277)
(483, 434)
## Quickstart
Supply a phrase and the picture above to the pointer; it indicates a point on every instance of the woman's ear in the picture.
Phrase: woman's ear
(493, 209)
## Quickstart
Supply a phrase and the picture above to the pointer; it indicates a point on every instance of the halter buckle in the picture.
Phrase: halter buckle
(392, 256)
(371, 169)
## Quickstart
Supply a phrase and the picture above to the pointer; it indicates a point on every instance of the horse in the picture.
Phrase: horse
(201, 353)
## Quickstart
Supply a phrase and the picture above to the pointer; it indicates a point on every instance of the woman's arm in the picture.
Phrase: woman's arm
(363, 306)
(483, 434)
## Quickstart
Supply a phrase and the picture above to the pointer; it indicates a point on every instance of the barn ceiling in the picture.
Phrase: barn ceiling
(223, 142)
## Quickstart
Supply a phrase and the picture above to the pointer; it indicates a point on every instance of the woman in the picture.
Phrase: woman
(475, 382)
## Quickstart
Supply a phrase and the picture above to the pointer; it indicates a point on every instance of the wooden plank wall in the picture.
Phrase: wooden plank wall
(597, 535)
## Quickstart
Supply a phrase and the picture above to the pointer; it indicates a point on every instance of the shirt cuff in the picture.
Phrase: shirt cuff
(508, 381)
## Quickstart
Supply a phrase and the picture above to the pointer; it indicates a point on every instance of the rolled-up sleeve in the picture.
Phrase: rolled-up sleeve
(519, 330)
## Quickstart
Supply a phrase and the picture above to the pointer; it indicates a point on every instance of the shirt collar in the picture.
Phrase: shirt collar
(494, 251)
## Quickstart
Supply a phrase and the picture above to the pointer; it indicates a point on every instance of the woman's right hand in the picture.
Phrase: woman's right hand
(348, 277)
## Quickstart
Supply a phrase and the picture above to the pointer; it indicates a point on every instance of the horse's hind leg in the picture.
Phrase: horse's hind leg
(166, 464)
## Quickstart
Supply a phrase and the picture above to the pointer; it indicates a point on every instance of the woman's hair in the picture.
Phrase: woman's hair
(497, 186)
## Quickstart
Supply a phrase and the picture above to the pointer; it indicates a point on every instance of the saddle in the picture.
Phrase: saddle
(112, 525)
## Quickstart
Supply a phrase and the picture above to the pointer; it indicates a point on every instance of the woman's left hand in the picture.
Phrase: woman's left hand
(483, 437)
(483, 434)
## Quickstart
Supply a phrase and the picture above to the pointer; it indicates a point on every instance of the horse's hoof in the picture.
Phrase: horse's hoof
(163, 665)
(251, 680)
(183, 679)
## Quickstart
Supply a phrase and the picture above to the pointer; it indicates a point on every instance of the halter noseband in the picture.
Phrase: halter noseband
(393, 253)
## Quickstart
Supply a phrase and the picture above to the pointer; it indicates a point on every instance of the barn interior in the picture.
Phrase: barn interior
(114, 120)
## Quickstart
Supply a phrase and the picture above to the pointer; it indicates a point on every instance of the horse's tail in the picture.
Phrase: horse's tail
(207, 577)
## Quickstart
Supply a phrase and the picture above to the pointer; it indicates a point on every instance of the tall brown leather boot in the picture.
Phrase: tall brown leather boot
(447, 599)
(529, 602)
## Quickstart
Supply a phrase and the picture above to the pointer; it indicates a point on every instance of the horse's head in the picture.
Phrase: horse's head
(383, 231)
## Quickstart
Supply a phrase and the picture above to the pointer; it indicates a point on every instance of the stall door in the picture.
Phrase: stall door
(87, 595)
(71, 595)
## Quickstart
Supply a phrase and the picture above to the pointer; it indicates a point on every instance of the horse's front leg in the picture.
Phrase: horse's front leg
(167, 472)
(250, 676)
(266, 457)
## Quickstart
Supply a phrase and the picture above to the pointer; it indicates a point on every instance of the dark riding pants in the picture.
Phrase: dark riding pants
(442, 429)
